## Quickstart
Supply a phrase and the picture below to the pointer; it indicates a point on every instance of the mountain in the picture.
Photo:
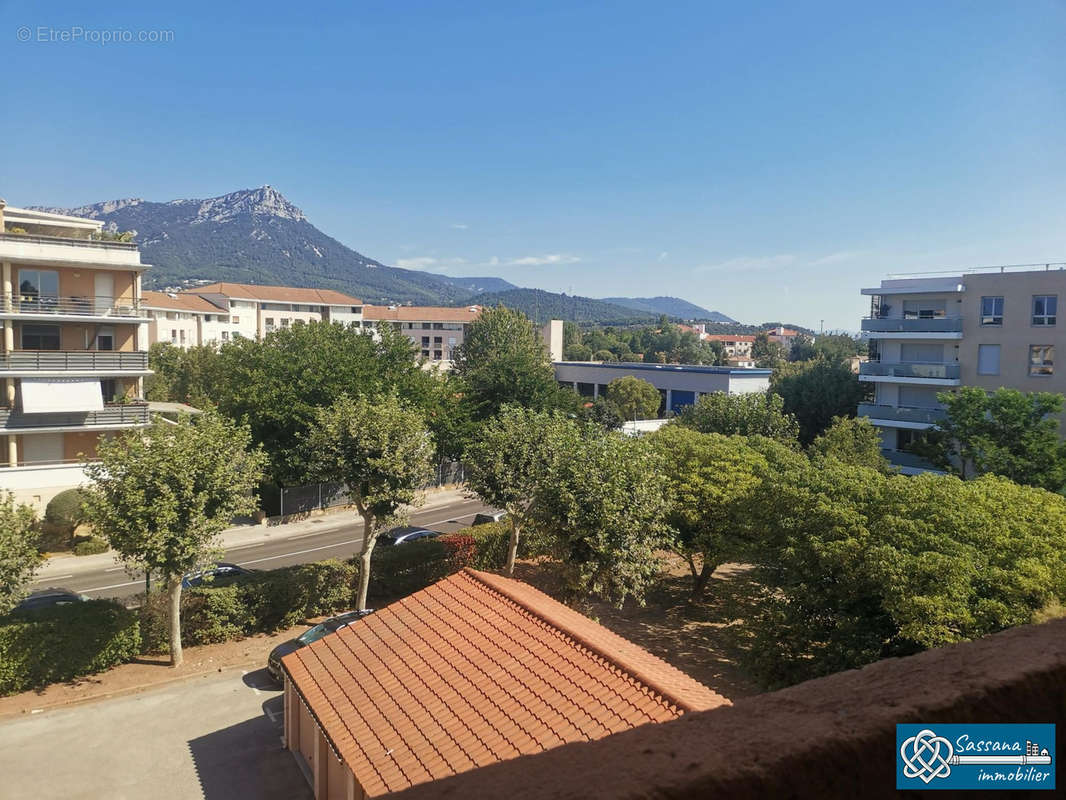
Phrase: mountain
(540, 306)
(480, 285)
(671, 306)
(257, 236)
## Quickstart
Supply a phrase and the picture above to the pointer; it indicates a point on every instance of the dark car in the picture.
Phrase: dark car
(406, 534)
(46, 598)
(485, 517)
(331, 625)
(215, 573)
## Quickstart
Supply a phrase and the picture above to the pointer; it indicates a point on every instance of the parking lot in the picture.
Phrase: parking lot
(215, 738)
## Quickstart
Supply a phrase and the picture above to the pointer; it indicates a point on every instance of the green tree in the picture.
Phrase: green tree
(817, 391)
(634, 398)
(767, 353)
(194, 376)
(604, 355)
(1007, 432)
(577, 352)
(836, 348)
(752, 414)
(711, 480)
(502, 361)
(604, 503)
(19, 558)
(383, 452)
(851, 441)
(163, 495)
(605, 413)
(510, 459)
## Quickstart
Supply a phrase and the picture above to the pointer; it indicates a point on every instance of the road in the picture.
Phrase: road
(335, 539)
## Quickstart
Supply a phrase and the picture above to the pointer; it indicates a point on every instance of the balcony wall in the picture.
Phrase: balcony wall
(829, 738)
(104, 362)
(898, 325)
(911, 370)
(18, 248)
(112, 415)
(928, 416)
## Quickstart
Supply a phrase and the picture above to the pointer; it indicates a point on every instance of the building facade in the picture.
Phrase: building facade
(991, 329)
(434, 331)
(678, 385)
(75, 343)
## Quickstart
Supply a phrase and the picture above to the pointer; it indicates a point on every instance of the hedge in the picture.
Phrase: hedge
(65, 642)
(90, 546)
(65, 511)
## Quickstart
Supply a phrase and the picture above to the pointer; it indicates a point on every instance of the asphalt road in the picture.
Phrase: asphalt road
(334, 541)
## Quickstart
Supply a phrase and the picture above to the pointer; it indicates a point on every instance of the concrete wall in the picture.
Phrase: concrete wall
(35, 486)
(828, 738)
(666, 376)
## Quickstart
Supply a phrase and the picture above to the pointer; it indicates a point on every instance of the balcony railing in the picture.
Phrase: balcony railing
(900, 458)
(73, 306)
(68, 241)
(899, 325)
(113, 414)
(102, 361)
(911, 369)
(928, 416)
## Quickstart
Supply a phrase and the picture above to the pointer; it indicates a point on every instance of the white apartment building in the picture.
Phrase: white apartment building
(435, 331)
(990, 328)
(75, 340)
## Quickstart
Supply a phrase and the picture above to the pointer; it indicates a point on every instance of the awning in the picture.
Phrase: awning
(45, 395)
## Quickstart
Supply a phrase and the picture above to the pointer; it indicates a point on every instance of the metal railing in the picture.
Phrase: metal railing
(912, 369)
(899, 325)
(929, 416)
(72, 360)
(68, 241)
(117, 414)
(900, 458)
(73, 306)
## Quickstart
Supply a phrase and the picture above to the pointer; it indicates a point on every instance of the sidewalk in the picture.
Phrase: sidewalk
(67, 563)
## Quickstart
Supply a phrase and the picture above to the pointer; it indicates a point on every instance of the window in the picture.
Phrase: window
(285, 322)
(425, 341)
(236, 320)
(1044, 308)
(182, 334)
(437, 355)
(38, 283)
(425, 354)
(451, 341)
(1041, 359)
(437, 340)
(269, 323)
(105, 338)
(921, 352)
(991, 310)
(174, 336)
(924, 309)
(988, 359)
(357, 309)
(40, 337)
(225, 336)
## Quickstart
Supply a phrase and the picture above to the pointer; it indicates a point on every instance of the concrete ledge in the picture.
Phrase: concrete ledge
(829, 738)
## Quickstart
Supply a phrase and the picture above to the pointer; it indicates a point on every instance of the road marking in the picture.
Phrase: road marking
(449, 519)
(112, 586)
(114, 569)
(273, 715)
(301, 552)
(53, 578)
(245, 673)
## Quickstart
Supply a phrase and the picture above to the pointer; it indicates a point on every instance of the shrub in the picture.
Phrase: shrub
(493, 538)
(399, 570)
(64, 511)
(90, 545)
(64, 643)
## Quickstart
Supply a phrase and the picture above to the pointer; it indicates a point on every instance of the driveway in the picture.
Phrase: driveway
(212, 738)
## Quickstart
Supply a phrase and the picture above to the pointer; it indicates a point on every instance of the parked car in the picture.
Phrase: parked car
(331, 625)
(485, 517)
(405, 534)
(215, 573)
(46, 598)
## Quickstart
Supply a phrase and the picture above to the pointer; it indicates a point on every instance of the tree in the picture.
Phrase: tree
(634, 398)
(711, 480)
(765, 352)
(816, 392)
(852, 441)
(1007, 432)
(19, 558)
(193, 376)
(163, 495)
(755, 413)
(836, 348)
(382, 451)
(509, 460)
(604, 504)
(604, 355)
(605, 413)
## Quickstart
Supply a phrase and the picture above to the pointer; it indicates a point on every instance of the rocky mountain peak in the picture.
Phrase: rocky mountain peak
(266, 201)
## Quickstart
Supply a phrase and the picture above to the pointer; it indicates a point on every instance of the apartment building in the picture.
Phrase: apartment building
(734, 345)
(74, 353)
(435, 331)
(181, 319)
(989, 328)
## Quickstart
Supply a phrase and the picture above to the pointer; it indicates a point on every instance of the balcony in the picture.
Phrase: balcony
(74, 362)
(909, 463)
(41, 307)
(936, 325)
(113, 415)
(909, 372)
(58, 250)
(902, 416)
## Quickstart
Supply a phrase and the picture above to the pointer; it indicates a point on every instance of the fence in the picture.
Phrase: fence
(315, 496)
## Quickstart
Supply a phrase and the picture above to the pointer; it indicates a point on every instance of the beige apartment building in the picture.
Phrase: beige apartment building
(74, 348)
(990, 328)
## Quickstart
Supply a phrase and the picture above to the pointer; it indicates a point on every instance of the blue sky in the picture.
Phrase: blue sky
(763, 159)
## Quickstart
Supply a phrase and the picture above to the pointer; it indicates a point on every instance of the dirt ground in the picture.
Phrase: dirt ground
(701, 639)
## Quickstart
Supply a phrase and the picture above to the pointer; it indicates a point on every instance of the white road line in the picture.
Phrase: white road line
(112, 586)
(449, 519)
(53, 578)
(301, 552)
(114, 569)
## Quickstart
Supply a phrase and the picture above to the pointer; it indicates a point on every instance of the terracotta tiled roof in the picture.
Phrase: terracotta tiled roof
(473, 670)
(179, 302)
(725, 337)
(277, 294)
(421, 313)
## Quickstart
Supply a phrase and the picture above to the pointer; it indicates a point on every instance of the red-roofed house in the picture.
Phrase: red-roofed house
(473, 670)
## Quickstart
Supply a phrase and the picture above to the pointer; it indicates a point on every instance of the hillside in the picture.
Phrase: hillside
(480, 285)
(671, 306)
(540, 306)
(257, 236)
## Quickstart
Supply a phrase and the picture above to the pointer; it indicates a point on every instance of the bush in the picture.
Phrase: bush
(64, 643)
(64, 511)
(90, 545)
(396, 571)
(492, 540)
